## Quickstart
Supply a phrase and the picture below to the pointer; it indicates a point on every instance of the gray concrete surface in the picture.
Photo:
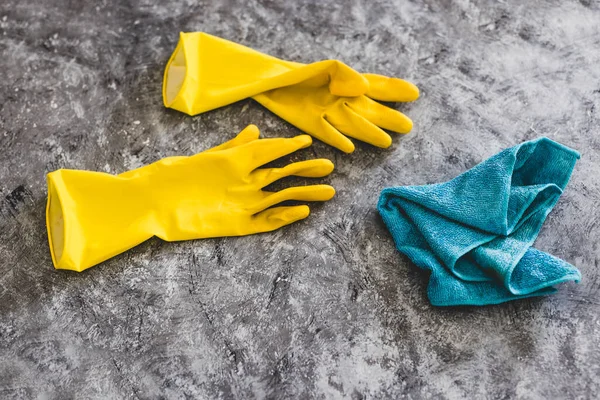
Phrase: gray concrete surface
(325, 308)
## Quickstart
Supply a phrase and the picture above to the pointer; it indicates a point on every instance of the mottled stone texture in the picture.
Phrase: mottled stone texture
(325, 308)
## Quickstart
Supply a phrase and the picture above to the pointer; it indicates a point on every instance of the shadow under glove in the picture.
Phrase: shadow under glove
(93, 216)
(474, 233)
(326, 99)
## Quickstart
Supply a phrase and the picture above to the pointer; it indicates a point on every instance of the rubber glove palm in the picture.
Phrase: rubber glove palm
(324, 99)
(93, 216)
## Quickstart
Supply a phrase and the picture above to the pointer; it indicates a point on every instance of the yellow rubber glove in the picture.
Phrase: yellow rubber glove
(326, 99)
(206, 72)
(93, 216)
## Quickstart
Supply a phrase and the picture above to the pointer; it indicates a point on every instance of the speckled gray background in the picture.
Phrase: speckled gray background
(325, 308)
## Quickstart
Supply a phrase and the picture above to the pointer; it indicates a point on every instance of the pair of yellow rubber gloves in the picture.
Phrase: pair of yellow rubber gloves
(93, 216)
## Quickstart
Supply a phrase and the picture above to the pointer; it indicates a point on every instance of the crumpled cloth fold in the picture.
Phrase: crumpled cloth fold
(475, 232)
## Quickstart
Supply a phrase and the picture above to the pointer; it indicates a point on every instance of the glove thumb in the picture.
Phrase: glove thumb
(345, 81)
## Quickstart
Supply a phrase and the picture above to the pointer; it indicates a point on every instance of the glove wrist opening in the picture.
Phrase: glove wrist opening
(175, 75)
(56, 224)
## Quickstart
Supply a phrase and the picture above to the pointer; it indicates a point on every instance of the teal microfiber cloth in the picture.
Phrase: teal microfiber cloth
(474, 233)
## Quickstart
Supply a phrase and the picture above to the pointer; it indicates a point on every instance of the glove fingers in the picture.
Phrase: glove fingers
(301, 193)
(382, 116)
(330, 135)
(317, 126)
(384, 88)
(308, 169)
(358, 127)
(275, 218)
(264, 151)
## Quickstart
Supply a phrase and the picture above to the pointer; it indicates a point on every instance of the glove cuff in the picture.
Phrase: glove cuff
(92, 216)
